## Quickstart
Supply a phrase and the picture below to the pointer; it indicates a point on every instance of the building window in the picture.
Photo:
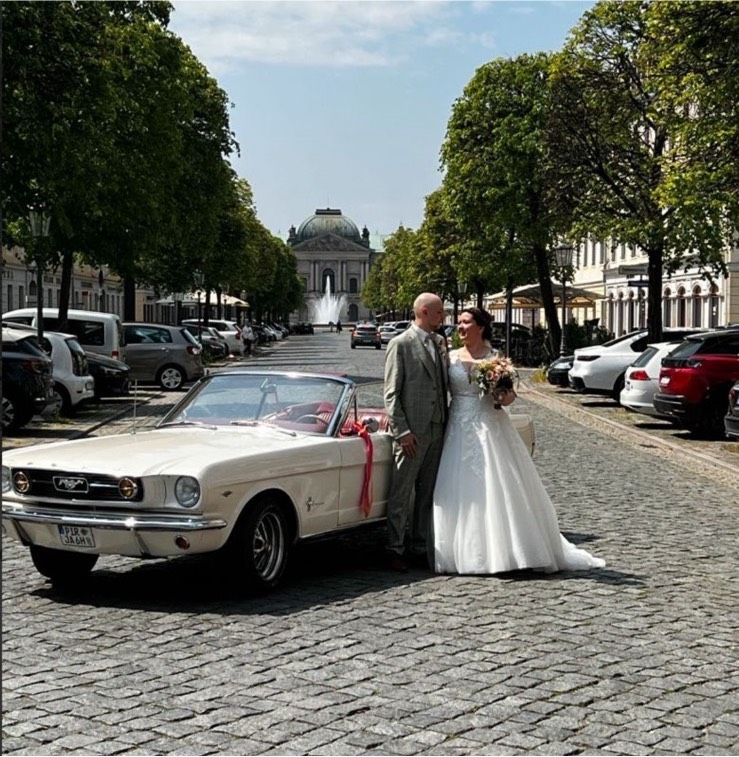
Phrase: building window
(697, 306)
(667, 308)
(611, 314)
(713, 306)
(9, 303)
(623, 252)
(353, 312)
(630, 313)
(305, 283)
(681, 307)
(328, 277)
(21, 301)
(592, 253)
(50, 297)
(620, 314)
(602, 255)
(352, 286)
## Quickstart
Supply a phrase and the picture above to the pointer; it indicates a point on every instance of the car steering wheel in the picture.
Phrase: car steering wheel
(310, 418)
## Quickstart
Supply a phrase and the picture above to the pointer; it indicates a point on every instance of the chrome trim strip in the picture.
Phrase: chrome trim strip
(113, 521)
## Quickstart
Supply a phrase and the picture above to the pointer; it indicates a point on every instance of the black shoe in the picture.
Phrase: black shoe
(397, 563)
(419, 560)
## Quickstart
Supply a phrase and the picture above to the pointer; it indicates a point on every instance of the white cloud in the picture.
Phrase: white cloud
(308, 32)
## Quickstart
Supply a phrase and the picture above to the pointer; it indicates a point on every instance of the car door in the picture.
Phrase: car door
(353, 466)
(148, 348)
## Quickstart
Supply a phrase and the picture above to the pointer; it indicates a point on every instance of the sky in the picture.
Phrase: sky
(345, 104)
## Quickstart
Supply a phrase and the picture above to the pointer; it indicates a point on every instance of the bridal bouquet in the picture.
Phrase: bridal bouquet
(494, 376)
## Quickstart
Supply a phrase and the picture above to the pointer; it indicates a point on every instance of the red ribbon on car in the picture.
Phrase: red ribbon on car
(365, 498)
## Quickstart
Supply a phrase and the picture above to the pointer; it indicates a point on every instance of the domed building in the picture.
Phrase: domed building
(332, 254)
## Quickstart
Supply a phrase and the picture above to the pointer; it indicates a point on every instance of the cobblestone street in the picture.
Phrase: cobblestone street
(347, 658)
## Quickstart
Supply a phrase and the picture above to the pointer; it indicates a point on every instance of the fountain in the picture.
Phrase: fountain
(328, 309)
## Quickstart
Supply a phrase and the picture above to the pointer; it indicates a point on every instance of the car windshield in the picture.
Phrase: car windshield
(292, 402)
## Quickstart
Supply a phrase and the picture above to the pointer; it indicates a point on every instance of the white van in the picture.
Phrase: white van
(95, 331)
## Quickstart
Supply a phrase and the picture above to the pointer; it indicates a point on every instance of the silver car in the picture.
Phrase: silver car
(167, 355)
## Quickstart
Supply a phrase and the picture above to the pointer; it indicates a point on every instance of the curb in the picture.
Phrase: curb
(695, 460)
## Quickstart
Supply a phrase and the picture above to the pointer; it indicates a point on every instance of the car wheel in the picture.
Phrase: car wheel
(62, 567)
(15, 414)
(171, 378)
(260, 545)
(617, 387)
(354, 346)
(62, 396)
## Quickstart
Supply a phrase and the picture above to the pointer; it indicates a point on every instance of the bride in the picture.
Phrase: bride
(491, 512)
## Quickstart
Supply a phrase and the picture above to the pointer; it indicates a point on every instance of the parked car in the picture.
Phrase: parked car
(28, 385)
(213, 344)
(558, 370)
(695, 380)
(601, 368)
(167, 355)
(641, 381)
(112, 377)
(260, 335)
(228, 330)
(247, 463)
(387, 332)
(95, 331)
(366, 335)
(302, 328)
(73, 383)
(284, 330)
(731, 420)
(272, 333)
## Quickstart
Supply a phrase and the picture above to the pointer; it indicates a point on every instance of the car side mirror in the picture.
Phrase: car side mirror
(371, 424)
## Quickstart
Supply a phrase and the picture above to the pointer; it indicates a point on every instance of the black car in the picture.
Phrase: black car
(731, 421)
(28, 386)
(214, 345)
(558, 370)
(112, 377)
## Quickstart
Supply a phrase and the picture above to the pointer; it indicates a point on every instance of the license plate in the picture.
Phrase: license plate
(76, 536)
(664, 381)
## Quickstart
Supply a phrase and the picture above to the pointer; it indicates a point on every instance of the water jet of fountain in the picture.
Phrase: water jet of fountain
(329, 308)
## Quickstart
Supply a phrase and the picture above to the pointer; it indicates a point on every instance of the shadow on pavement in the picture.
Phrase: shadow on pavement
(320, 573)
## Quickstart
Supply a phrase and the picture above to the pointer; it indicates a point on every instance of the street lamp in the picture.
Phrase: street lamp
(199, 281)
(40, 221)
(563, 255)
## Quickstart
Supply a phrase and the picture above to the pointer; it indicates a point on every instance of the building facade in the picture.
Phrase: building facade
(617, 275)
(333, 257)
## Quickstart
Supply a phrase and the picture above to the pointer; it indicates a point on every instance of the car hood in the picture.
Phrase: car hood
(182, 450)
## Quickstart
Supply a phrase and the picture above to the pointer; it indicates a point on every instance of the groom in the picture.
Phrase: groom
(416, 402)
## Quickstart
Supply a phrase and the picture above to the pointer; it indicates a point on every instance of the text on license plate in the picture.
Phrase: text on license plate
(76, 536)
(664, 381)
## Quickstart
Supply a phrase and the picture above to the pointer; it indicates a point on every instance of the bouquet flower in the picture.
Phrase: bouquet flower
(494, 376)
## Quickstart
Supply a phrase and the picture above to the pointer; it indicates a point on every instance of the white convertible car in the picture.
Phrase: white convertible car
(247, 463)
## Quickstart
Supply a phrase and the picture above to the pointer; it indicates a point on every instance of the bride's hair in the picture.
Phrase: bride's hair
(483, 319)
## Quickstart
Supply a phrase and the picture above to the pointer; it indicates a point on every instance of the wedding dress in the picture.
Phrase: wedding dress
(491, 511)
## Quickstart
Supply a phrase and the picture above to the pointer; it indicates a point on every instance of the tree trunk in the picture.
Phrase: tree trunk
(508, 314)
(547, 296)
(206, 316)
(129, 298)
(66, 286)
(480, 287)
(654, 298)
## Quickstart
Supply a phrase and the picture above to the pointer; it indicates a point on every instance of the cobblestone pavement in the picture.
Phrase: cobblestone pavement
(347, 658)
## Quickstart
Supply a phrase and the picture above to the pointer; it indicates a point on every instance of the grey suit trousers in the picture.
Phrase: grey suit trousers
(413, 482)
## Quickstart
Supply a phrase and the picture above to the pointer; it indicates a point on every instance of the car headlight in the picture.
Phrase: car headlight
(6, 479)
(187, 491)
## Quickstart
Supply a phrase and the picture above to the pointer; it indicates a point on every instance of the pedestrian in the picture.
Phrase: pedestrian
(338, 327)
(247, 335)
(416, 401)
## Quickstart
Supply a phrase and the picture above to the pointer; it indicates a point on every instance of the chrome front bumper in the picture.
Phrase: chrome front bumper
(122, 521)
(135, 535)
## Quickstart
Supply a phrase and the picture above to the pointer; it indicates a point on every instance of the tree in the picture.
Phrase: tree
(115, 126)
(614, 127)
(498, 174)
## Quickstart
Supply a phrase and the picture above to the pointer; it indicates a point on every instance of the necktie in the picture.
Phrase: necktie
(430, 346)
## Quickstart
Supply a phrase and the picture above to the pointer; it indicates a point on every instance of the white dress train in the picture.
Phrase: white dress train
(491, 511)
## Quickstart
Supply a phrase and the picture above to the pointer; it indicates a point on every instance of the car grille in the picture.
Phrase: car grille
(51, 483)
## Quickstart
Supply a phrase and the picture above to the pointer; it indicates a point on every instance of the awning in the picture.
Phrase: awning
(529, 296)
(192, 298)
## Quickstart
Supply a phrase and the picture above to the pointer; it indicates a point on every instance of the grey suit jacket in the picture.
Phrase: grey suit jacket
(414, 390)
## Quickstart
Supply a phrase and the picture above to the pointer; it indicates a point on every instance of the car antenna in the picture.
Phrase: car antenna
(135, 398)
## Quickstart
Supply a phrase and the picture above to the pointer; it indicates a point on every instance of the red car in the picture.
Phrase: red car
(695, 380)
